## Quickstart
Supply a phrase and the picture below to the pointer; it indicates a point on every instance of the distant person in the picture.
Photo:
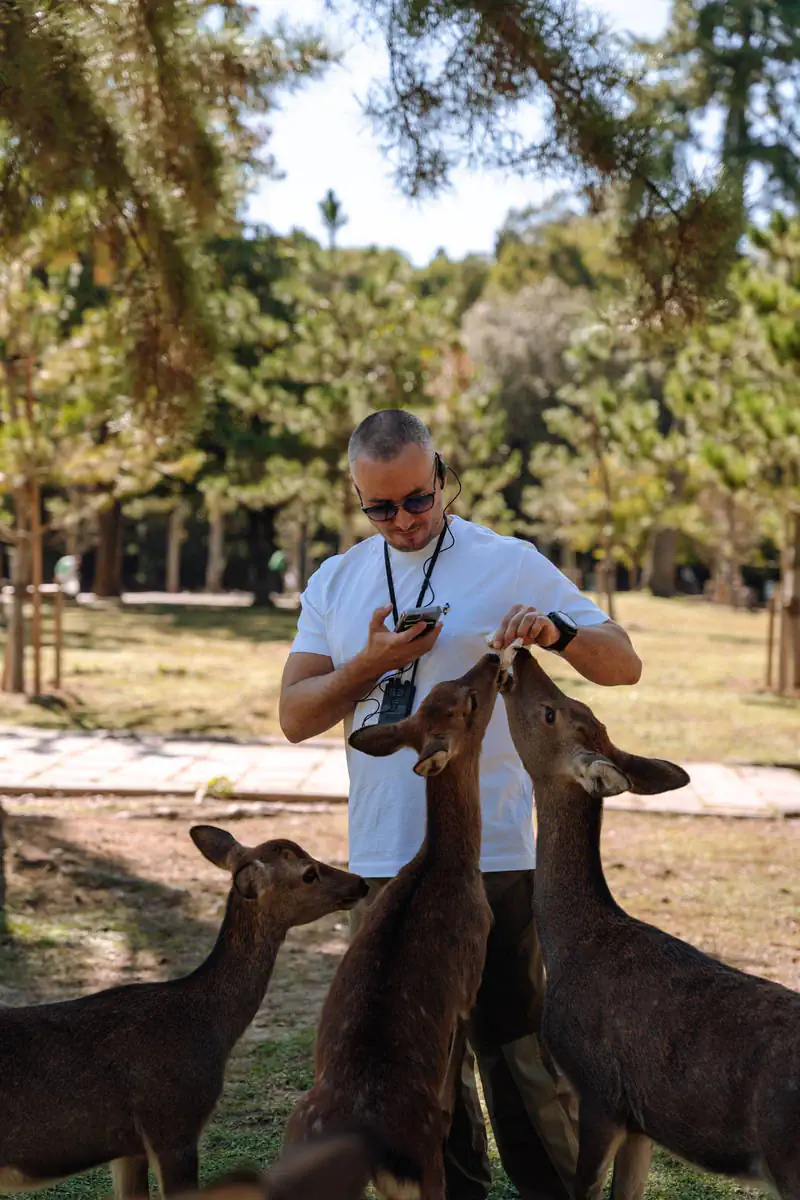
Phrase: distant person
(67, 574)
(342, 652)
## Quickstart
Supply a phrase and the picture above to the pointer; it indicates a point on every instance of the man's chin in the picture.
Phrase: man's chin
(411, 541)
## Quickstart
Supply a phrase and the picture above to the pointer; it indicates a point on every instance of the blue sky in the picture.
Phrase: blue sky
(321, 140)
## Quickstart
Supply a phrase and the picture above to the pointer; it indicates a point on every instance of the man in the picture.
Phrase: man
(336, 671)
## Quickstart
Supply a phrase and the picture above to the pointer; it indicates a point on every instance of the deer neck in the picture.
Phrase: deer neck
(454, 814)
(571, 894)
(231, 983)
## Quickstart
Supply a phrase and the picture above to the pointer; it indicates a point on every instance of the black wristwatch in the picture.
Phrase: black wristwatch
(567, 629)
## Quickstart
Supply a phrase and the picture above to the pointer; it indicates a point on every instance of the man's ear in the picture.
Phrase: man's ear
(434, 757)
(380, 740)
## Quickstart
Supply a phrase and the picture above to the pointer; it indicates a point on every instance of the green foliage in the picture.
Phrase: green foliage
(359, 338)
(143, 116)
(458, 74)
(740, 60)
(605, 485)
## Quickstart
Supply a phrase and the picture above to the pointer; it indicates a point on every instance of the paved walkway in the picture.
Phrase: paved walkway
(51, 762)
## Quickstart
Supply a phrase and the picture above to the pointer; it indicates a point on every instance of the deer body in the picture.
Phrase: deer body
(413, 970)
(134, 1073)
(660, 1041)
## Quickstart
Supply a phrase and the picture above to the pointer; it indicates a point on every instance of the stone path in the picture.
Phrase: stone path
(52, 762)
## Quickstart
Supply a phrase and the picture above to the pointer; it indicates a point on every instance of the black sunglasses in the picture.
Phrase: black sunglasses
(386, 510)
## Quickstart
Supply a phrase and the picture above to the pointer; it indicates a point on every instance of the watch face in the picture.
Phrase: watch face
(567, 622)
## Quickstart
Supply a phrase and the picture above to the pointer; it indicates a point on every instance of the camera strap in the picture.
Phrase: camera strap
(398, 695)
(426, 578)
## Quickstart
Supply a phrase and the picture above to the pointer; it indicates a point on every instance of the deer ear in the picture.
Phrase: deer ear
(435, 755)
(599, 775)
(217, 845)
(380, 740)
(246, 880)
(649, 776)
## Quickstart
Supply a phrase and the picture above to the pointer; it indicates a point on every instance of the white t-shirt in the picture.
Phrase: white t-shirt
(481, 575)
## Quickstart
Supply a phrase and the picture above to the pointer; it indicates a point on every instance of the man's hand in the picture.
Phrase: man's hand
(387, 651)
(525, 622)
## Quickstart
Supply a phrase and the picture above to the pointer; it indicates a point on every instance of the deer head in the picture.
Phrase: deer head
(450, 722)
(279, 877)
(560, 738)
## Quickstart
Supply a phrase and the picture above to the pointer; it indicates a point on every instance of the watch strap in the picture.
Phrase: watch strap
(566, 634)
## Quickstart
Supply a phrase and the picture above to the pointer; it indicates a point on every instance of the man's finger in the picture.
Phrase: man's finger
(408, 635)
(501, 635)
(378, 618)
(514, 627)
(528, 624)
(424, 644)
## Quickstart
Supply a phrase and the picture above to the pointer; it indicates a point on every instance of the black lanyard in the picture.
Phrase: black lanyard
(426, 578)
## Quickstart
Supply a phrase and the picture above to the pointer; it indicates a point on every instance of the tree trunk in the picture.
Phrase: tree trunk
(176, 531)
(108, 562)
(346, 532)
(215, 563)
(261, 543)
(789, 643)
(3, 917)
(15, 658)
(569, 563)
(606, 571)
(794, 601)
(36, 584)
(662, 571)
(302, 556)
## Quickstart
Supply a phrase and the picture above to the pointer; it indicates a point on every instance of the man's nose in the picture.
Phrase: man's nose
(404, 520)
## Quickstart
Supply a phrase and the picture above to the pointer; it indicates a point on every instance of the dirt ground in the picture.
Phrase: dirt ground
(105, 891)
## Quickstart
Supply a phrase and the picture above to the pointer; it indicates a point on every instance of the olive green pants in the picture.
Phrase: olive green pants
(529, 1106)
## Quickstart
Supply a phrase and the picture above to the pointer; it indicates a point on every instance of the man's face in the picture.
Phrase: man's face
(411, 473)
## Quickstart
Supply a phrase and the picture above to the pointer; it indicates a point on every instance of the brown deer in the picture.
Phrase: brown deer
(327, 1168)
(661, 1042)
(133, 1073)
(411, 974)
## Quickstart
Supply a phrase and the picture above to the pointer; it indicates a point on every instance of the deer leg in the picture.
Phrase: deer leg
(177, 1170)
(129, 1176)
(433, 1187)
(785, 1178)
(599, 1140)
(631, 1167)
(458, 1046)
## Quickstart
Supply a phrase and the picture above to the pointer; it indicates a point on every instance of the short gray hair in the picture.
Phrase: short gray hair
(383, 434)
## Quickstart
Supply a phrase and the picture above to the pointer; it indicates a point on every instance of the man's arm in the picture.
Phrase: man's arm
(601, 653)
(315, 695)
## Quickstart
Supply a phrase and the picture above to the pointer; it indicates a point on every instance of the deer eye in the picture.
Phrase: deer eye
(310, 875)
(550, 715)
(473, 702)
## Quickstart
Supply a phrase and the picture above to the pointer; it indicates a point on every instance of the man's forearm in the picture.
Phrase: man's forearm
(604, 654)
(314, 705)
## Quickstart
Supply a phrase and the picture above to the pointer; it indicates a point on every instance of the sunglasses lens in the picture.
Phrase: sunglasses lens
(380, 512)
(419, 504)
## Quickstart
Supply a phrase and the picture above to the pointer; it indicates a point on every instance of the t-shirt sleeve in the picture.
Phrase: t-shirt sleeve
(311, 636)
(541, 583)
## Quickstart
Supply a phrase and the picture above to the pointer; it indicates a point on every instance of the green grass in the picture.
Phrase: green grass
(265, 1079)
(218, 672)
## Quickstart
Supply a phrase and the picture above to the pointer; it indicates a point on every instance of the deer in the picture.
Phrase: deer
(131, 1075)
(661, 1042)
(391, 1027)
(336, 1167)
